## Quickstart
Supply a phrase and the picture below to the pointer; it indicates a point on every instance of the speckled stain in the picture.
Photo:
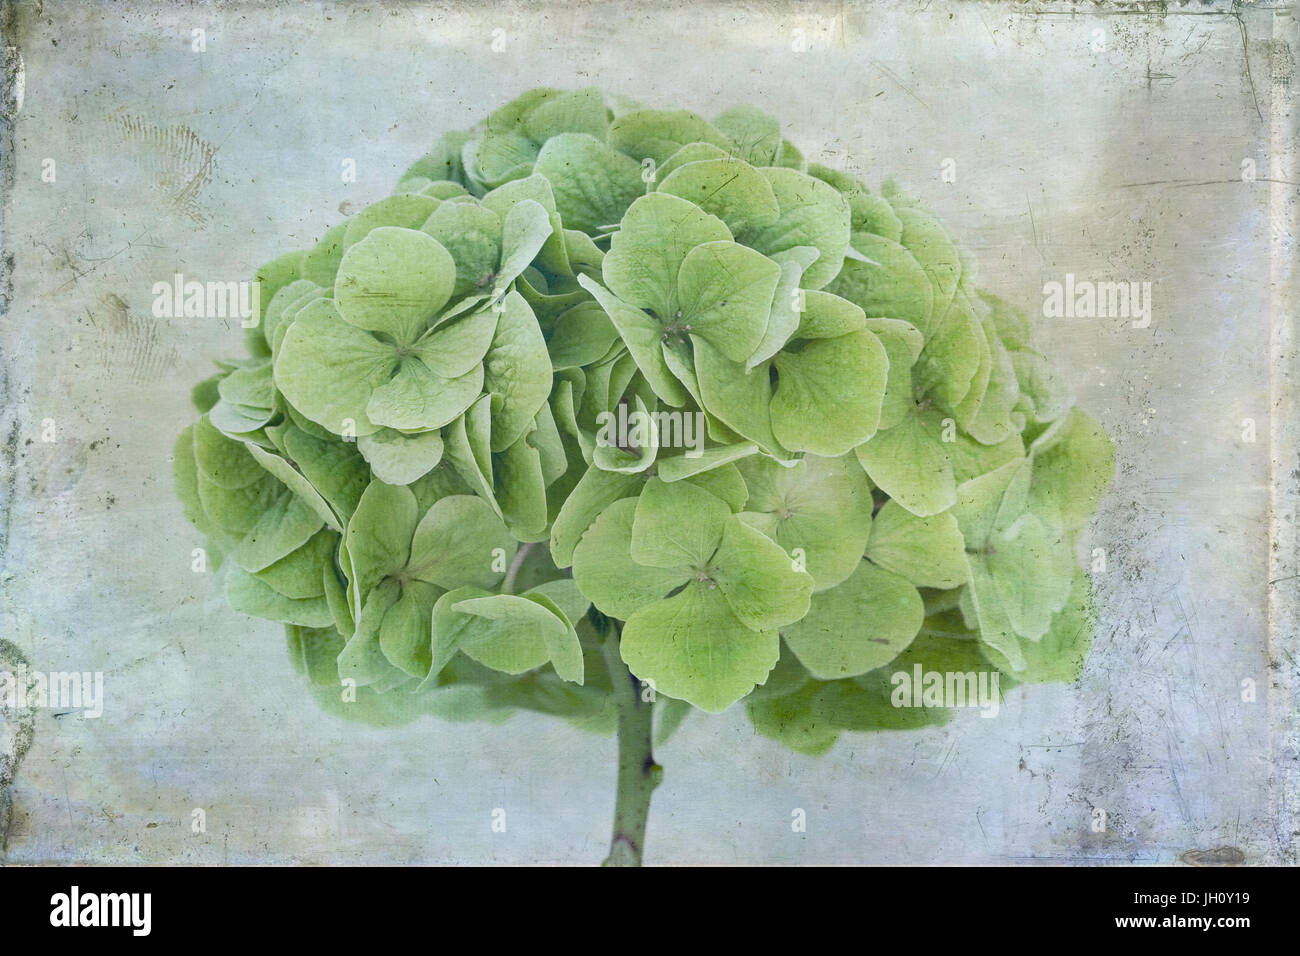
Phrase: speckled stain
(17, 730)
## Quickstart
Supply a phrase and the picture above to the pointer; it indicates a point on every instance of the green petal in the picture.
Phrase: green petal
(405, 211)
(644, 434)
(298, 484)
(755, 133)
(646, 254)
(952, 355)
(472, 234)
(643, 336)
(562, 593)
(362, 660)
(572, 111)
(186, 475)
(826, 316)
(239, 421)
(740, 399)
(993, 422)
(295, 293)
(592, 496)
(466, 443)
(235, 511)
(821, 506)
(314, 652)
(285, 525)
(967, 408)
(677, 525)
(996, 630)
(328, 369)
(991, 502)
(903, 343)
(528, 228)
(858, 626)
(250, 385)
(786, 678)
(690, 153)
(335, 591)
(730, 189)
(418, 399)
(1012, 326)
(248, 595)
(1042, 388)
(497, 157)
(581, 336)
(521, 489)
(298, 574)
(404, 633)
(695, 649)
(970, 459)
(519, 621)
(758, 578)
(502, 201)
(658, 134)
(449, 628)
(790, 719)
(399, 459)
(394, 281)
(725, 293)
(910, 464)
(849, 705)
(604, 569)
(378, 538)
(335, 469)
(929, 244)
(1031, 567)
(1058, 657)
(517, 372)
(812, 214)
(891, 284)
(223, 461)
(1071, 475)
(929, 552)
(706, 466)
(507, 633)
(271, 278)
(787, 302)
(320, 263)
(828, 394)
(867, 211)
(593, 183)
(443, 161)
(458, 543)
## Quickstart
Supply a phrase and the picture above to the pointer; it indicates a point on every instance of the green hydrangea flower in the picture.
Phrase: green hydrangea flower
(845, 461)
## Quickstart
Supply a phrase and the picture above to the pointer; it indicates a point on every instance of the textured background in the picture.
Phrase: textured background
(1106, 142)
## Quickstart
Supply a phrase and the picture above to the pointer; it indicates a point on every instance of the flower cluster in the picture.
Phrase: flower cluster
(410, 471)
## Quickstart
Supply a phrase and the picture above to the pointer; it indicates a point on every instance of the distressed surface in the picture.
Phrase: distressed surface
(1107, 146)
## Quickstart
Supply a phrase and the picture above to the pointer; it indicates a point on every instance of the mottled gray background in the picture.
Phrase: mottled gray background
(1105, 142)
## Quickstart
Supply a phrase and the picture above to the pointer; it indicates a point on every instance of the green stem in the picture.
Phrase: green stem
(638, 774)
(508, 585)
